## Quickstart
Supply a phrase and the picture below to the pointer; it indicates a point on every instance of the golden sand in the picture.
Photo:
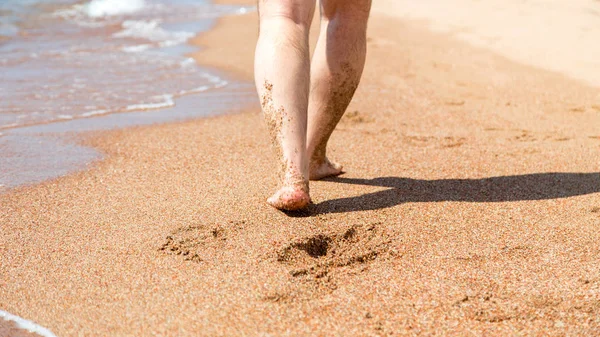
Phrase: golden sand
(471, 205)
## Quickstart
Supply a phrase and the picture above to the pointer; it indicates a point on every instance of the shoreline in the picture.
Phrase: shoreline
(90, 155)
(14, 326)
(479, 171)
(30, 162)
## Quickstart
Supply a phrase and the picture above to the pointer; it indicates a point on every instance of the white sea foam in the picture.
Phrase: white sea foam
(102, 8)
(195, 90)
(6, 126)
(188, 62)
(151, 31)
(137, 48)
(118, 70)
(95, 113)
(25, 324)
(166, 103)
(212, 78)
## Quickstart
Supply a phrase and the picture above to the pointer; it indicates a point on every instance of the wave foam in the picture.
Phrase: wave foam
(101, 8)
(25, 324)
(166, 103)
(151, 30)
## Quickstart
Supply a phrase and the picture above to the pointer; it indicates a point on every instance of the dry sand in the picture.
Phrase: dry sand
(555, 34)
(471, 206)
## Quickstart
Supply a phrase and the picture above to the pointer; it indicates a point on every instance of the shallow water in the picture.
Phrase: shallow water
(68, 60)
(112, 63)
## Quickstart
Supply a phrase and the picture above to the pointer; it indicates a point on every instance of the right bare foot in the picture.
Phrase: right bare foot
(291, 198)
(324, 168)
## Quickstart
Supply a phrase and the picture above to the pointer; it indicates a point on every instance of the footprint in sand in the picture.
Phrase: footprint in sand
(437, 142)
(530, 136)
(525, 136)
(453, 102)
(488, 306)
(323, 257)
(580, 109)
(190, 242)
(356, 117)
(506, 252)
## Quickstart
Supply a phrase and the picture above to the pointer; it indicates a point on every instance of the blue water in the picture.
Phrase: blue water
(65, 60)
(71, 66)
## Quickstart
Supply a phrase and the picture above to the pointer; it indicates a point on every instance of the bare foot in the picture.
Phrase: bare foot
(290, 198)
(323, 169)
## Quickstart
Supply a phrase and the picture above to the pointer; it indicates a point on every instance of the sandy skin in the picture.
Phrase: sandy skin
(304, 98)
(324, 168)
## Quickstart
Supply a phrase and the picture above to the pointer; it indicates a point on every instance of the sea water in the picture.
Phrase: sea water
(69, 65)
(65, 60)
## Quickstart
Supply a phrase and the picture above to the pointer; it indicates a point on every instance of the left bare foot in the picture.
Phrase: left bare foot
(324, 168)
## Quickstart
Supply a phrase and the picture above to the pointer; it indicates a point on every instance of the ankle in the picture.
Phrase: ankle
(317, 157)
(297, 184)
(296, 180)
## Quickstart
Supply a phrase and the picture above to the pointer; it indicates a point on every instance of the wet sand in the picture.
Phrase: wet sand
(471, 206)
(10, 329)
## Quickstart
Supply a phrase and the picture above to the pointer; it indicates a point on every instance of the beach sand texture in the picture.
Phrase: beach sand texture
(558, 35)
(471, 206)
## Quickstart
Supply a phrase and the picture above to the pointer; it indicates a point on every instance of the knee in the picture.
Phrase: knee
(298, 12)
(351, 12)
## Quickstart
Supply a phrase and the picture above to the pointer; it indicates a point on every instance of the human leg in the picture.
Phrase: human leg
(336, 68)
(282, 75)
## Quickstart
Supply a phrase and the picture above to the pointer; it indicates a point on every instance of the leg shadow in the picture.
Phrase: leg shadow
(537, 186)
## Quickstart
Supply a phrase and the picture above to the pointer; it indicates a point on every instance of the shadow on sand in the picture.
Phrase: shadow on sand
(538, 186)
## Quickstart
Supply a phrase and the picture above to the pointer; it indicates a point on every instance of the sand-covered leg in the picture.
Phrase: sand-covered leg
(282, 75)
(337, 66)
